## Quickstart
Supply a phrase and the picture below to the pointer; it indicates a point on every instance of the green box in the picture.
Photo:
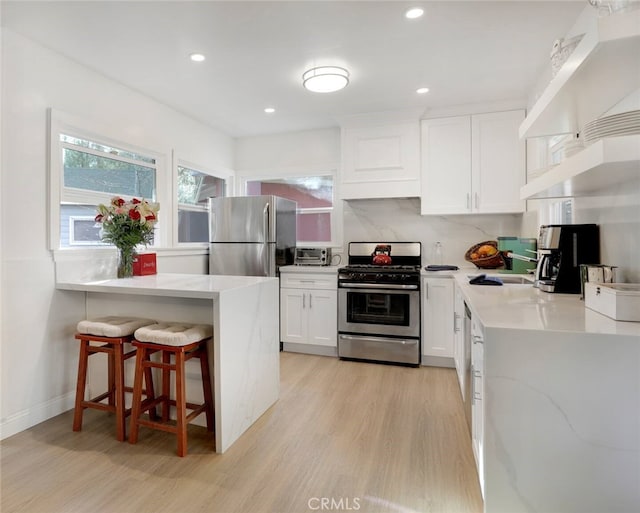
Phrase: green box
(518, 246)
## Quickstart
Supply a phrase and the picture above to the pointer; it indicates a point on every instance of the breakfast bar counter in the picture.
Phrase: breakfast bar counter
(244, 311)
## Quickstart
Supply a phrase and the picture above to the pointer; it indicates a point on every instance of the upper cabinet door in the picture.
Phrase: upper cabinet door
(473, 164)
(446, 165)
(498, 162)
(380, 161)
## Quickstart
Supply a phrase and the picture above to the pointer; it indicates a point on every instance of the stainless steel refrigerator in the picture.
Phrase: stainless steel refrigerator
(252, 235)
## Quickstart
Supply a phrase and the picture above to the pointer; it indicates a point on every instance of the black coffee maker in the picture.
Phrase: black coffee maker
(561, 250)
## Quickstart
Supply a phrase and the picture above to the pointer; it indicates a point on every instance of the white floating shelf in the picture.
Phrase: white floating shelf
(602, 69)
(603, 163)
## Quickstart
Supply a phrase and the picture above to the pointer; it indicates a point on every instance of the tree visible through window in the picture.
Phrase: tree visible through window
(93, 172)
(194, 188)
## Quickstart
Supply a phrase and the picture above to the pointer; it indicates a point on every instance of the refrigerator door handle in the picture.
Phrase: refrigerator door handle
(269, 268)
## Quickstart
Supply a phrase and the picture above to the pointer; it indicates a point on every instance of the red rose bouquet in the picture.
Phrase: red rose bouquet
(126, 224)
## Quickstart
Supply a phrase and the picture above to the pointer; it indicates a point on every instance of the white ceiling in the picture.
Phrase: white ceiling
(464, 51)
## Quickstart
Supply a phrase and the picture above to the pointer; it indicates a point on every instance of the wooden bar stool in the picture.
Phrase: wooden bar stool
(111, 333)
(183, 342)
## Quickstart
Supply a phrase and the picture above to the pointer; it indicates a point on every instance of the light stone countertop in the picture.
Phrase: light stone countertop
(525, 307)
(197, 286)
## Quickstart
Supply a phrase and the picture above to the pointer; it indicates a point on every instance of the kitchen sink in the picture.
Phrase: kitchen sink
(508, 279)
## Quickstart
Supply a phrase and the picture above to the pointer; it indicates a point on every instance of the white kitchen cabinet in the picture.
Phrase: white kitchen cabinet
(477, 398)
(308, 312)
(458, 338)
(437, 321)
(472, 164)
(381, 161)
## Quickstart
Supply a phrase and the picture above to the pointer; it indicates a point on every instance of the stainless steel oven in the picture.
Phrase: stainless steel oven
(379, 305)
(391, 309)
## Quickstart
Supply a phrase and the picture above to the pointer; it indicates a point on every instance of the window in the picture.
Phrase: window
(83, 230)
(315, 198)
(92, 173)
(194, 188)
(555, 211)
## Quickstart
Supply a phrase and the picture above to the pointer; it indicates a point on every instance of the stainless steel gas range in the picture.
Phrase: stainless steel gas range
(379, 304)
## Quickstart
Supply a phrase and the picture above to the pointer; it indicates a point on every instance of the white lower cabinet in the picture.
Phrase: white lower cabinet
(308, 310)
(477, 398)
(458, 338)
(437, 321)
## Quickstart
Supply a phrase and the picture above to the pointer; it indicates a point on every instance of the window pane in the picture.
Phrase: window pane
(105, 149)
(308, 192)
(193, 226)
(312, 193)
(314, 227)
(93, 173)
(77, 227)
(195, 187)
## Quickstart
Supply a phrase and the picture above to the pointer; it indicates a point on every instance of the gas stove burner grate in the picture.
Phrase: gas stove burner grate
(380, 268)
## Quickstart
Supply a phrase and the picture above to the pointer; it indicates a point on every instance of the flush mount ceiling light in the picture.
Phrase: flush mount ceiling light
(269, 110)
(422, 90)
(325, 79)
(196, 57)
(414, 13)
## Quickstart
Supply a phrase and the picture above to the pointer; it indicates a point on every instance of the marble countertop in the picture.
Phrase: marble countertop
(525, 307)
(198, 286)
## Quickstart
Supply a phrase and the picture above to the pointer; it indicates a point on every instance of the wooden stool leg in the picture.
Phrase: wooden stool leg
(166, 385)
(206, 386)
(149, 391)
(137, 395)
(111, 400)
(118, 363)
(181, 405)
(81, 384)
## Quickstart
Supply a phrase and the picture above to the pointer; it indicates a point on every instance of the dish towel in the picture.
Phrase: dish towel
(441, 268)
(483, 279)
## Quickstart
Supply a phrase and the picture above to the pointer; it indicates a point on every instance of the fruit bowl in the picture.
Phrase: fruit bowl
(483, 260)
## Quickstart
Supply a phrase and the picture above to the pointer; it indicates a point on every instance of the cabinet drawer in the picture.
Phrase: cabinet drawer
(309, 281)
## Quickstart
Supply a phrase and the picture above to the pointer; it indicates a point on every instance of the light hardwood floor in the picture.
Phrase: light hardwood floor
(344, 436)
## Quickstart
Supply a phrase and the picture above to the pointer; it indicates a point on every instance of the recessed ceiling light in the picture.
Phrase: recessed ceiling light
(414, 13)
(422, 90)
(196, 57)
(269, 110)
(325, 79)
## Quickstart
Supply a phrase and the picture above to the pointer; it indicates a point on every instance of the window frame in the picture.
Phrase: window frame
(335, 211)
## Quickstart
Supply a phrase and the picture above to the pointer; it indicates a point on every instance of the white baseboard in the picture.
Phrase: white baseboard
(39, 413)
(310, 349)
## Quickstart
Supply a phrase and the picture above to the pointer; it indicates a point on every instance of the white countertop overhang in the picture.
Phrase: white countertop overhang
(197, 286)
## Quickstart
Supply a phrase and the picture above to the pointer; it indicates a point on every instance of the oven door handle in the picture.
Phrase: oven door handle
(403, 341)
(385, 286)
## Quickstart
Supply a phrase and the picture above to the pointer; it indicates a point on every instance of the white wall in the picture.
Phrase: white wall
(38, 353)
(291, 152)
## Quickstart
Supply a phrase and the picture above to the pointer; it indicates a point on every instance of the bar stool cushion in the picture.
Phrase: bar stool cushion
(112, 326)
(174, 334)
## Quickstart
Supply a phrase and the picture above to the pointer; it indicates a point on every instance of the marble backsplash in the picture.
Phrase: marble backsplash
(389, 220)
(617, 211)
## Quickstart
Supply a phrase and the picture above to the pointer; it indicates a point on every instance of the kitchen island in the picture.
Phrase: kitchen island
(559, 392)
(244, 311)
